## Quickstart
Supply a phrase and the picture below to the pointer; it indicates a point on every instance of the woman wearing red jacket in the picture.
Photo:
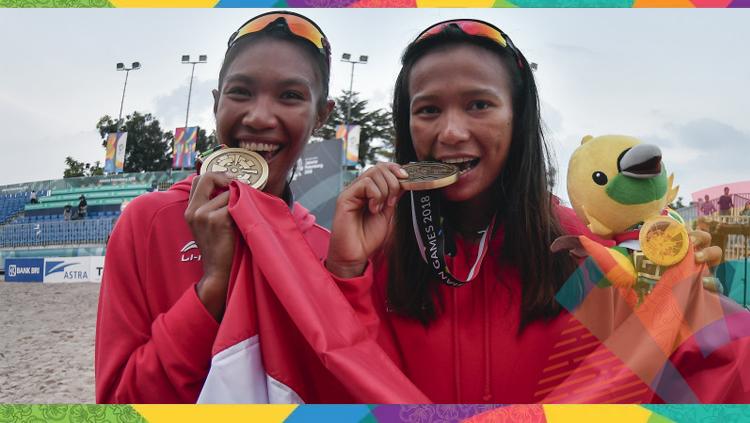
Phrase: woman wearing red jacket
(169, 258)
(490, 329)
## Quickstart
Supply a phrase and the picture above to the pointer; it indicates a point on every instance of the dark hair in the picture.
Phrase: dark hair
(277, 32)
(525, 205)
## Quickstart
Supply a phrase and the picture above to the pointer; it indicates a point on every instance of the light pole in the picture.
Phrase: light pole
(186, 61)
(121, 67)
(346, 57)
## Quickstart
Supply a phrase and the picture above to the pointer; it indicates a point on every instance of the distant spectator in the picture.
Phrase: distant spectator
(154, 187)
(725, 203)
(707, 208)
(67, 212)
(746, 210)
(82, 207)
(32, 198)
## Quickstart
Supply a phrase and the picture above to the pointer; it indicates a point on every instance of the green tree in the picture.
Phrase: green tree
(148, 147)
(376, 134)
(76, 168)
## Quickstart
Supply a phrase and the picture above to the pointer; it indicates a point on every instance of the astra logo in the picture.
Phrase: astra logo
(186, 253)
(51, 267)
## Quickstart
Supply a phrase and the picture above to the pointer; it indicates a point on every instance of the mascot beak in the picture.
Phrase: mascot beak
(642, 161)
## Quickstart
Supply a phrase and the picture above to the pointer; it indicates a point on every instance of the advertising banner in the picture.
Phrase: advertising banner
(73, 269)
(318, 179)
(67, 269)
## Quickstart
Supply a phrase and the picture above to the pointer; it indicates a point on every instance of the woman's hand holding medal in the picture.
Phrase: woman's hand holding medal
(214, 232)
(364, 211)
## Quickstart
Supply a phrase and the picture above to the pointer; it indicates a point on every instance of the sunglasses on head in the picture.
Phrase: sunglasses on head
(293, 22)
(477, 28)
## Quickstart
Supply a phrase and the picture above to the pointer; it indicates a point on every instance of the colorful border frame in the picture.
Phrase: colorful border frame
(381, 3)
(372, 413)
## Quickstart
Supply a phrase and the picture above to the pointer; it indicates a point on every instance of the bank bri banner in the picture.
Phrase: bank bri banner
(55, 269)
(24, 269)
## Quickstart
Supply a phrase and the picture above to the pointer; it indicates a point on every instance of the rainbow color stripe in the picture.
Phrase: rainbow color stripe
(380, 3)
(372, 413)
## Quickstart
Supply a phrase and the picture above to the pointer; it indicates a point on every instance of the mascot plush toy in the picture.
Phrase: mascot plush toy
(619, 188)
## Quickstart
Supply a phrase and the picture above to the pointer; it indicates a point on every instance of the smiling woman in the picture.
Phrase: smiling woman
(465, 284)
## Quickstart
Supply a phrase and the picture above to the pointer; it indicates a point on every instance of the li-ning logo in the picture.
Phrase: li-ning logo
(186, 255)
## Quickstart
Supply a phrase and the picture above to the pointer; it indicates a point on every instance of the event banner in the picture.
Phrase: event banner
(114, 160)
(54, 269)
(350, 135)
(122, 142)
(185, 140)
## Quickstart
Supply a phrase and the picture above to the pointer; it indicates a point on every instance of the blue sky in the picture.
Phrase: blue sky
(679, 78)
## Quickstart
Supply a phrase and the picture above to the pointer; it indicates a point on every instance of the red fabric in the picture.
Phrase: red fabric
(312, 339)
(153, 335)
(474, 354)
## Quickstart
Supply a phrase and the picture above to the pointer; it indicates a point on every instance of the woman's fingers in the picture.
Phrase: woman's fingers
(710, 255)
(704, 251)
(203, 187)
(700, 238)
(373, 195)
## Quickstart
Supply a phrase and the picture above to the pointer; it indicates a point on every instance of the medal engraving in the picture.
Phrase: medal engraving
(664, 241)
(240, 164)
(429, 175)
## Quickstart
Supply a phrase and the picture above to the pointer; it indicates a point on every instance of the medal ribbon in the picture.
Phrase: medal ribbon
(428, 230)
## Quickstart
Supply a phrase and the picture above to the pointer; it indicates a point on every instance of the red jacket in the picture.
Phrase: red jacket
(153, 335)
(473, 352)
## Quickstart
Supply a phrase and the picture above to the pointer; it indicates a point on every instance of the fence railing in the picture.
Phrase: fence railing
(77, 232)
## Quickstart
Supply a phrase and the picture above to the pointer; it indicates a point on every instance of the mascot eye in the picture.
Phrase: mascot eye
(600, 178)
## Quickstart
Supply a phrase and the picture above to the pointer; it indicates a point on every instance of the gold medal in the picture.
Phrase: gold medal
(664, 241)
(428, 175)
(240, 164)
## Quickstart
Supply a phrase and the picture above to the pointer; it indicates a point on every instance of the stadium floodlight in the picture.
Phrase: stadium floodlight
(121, 67)
(186, 61)
(346, 57)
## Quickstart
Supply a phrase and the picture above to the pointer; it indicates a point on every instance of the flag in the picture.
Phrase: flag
(278, 343)
(681, 343)
(114, 158)
(122, 142)
(109, 157)
(350, 134)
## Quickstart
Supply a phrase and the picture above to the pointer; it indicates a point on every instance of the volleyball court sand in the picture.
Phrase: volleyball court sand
(47, 342)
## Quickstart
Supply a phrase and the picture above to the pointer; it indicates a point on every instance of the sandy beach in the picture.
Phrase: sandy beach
(47, 342)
